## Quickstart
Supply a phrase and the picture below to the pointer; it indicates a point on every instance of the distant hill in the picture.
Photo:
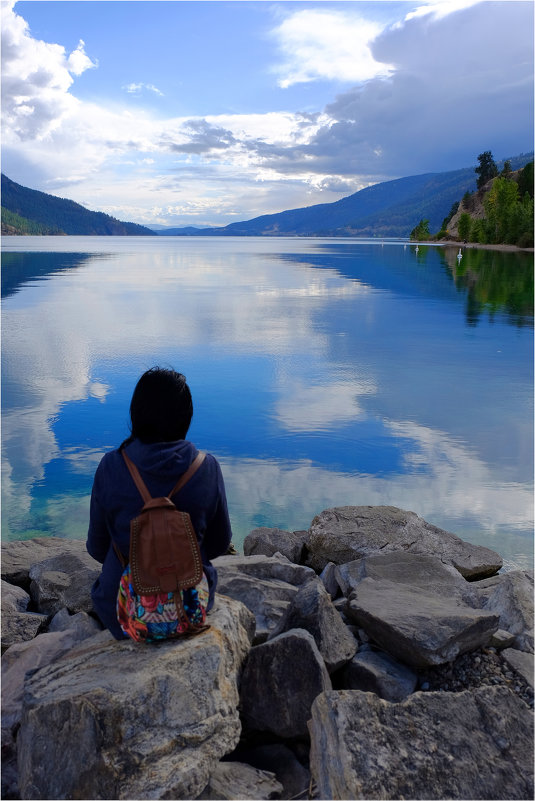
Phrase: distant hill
(187, 230)
(391, 208)
(388, 209)
(27, 211)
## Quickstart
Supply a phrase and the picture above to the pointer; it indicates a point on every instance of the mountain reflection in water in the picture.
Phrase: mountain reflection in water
(324, 373)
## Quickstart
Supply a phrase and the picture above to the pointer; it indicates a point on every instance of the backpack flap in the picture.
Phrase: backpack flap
(164, 552)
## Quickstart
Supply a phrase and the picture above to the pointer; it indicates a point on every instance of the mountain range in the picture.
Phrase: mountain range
(388, 209)
(27, 211)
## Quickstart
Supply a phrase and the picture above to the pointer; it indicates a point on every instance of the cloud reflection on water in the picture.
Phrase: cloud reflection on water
(309, 347)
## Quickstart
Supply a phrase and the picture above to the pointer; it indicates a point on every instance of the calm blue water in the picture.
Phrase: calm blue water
(323, 372)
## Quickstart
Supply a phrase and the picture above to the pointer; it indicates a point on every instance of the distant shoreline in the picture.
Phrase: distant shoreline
(462, 245)
(435, 243)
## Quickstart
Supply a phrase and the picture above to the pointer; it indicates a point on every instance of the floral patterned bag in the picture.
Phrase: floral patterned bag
(163, 591)
(149, 618)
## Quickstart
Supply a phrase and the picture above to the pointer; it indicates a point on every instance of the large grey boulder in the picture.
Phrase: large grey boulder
(127, 720)
(265, 585)
(237, 780)
(63, 581)
(312, 609)
(263, 567)
(511, 596)
(14, 598)
(415, 570)
(269, 541)
(476, 744)
(20, 555)
(346, 533)
(378, 672)
(280, 680)
(18, 625)
(20, 660)
(26, 657)
(81, 624)
(419, 627)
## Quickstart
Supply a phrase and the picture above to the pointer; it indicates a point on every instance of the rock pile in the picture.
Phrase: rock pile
(355, 660)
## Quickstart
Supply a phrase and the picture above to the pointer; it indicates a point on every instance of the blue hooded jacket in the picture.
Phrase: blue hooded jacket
(115, 500)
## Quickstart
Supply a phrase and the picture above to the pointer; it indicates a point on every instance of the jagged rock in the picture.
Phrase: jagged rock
(19, 556)
(377, 672)
(511, 596)
(62, 581)
(522, 662)
(280, 680)
(312, 609)
(14, 598)
(132, 720)
(18, 625)
(26, 657)
(266, 585)
(418, 627)
(236, 780)
(502, 639)
(416, 570)
(264, 567)
(277, 758)
(82, 624)
(268, 541)
(340, 604)
(350, 532)
(329, 578)
(473, 744)
(20, 660)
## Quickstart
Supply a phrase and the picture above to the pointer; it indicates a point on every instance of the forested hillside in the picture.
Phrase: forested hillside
(27, 211)
(500, 211)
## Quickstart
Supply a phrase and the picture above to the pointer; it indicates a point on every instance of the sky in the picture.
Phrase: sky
(179, 112)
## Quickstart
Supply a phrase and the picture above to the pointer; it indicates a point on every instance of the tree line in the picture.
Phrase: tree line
(507, 205)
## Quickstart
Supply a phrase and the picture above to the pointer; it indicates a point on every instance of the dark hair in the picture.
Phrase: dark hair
(161, 407)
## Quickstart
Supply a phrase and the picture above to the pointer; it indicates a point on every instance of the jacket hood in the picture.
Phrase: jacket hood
(162, 458)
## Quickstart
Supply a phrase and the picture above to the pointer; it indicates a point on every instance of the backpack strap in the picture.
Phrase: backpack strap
(184, 478)
(134, 472)
(194, 466)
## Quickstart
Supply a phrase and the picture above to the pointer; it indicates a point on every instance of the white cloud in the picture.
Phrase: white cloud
(36, 77)
(79, 61)
(137, 88)
(445, 99)
(438, 9)
(442, 105)
(332, 45)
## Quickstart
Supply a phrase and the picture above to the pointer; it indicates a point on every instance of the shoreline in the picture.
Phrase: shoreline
(475, 245)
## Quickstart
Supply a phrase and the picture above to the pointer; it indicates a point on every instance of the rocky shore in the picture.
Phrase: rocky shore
(373, 656)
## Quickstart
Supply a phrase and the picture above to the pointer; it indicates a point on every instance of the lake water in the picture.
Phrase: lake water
(324, 373)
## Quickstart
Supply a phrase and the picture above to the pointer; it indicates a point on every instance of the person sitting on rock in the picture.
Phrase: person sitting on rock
(160, 412)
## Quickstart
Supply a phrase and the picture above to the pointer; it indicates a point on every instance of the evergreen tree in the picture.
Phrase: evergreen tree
(421, 231)
(525, 180)
(487, 168)
(506, 170)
